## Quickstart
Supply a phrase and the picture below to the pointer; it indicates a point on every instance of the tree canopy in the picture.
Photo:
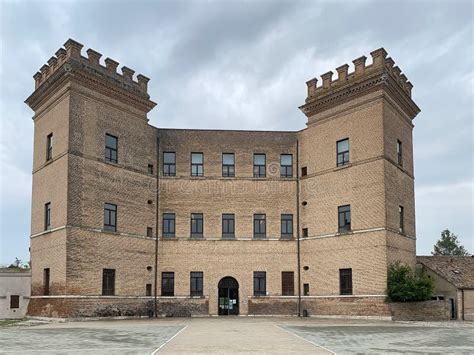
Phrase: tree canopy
(448, 244)
(407, 285)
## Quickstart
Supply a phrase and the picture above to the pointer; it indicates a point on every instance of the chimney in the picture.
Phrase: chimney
(73, 48)
(327, 79)
(111, 65)
(359, 64)
(342, 72)
(93, 56)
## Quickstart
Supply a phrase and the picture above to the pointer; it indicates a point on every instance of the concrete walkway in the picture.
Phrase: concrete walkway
(237, 335)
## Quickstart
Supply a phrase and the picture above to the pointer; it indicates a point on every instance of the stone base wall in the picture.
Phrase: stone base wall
(321, 306)
(420, 311)
(116, 307)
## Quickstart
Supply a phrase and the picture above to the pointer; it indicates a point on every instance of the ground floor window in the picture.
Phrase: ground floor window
(197, 278)
(259, 283)
(14, 301)
(46, 281)
(306, 289)
(167, 283)
(108, 282)
(288, 283)
(345, 281)
(148, 289)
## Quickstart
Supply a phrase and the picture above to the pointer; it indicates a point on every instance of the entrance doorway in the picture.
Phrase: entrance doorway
(228, 296)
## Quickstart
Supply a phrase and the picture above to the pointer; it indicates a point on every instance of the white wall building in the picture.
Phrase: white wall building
(15, 288)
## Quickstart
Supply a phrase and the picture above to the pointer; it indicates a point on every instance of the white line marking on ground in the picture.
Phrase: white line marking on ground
(309, 341)
(166, 342)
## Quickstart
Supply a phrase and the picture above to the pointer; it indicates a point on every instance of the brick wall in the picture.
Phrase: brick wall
(420, 311)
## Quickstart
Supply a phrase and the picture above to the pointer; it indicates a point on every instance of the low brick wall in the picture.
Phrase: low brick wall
(330, 306)
(115, 307)
(420, 311)
(260, 306)
(347, 306)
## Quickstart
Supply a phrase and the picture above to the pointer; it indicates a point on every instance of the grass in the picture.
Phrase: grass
(9, 322)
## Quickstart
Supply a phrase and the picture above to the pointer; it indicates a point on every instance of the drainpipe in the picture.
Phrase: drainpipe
(155, 300)
(298, 226)
(462, 305)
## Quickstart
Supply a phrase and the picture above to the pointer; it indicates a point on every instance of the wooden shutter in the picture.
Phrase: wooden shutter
(287, 283)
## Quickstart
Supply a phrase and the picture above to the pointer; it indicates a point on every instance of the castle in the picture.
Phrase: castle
(130, 219)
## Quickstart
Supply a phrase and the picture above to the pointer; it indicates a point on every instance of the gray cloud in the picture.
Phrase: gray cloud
(244, 65)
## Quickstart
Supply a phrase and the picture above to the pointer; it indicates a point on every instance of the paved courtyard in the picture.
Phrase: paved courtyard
(247, 335)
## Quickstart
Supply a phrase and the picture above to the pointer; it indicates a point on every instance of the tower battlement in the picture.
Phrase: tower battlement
(381, 70)
(70, 61)
(379, 62)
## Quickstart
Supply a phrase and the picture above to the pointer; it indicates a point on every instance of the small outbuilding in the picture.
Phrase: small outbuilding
(15, 290)
(453, 281)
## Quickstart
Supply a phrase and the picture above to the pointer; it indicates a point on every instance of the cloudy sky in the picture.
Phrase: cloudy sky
(243, 65)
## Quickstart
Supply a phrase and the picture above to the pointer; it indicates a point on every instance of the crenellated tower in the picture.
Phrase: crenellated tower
(93, 148)
(357, 187)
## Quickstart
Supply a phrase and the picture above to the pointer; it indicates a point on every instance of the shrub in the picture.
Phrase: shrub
(407, 285)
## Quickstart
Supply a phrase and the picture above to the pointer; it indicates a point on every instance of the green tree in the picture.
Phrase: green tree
(407, 285)
(449, 244)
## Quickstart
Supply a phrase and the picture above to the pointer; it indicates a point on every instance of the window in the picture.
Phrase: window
(196, 283)
(169, 224)
(304, 171)
(344, 216)
(259, 226)
(150, 169)
(305, 232)
(197, 164)
(111, 144)
(47, 216)
(110, 217)
(228, 225)
(286, 165)
(345, 281)
(401, 212)
(399, 153)
(46, 281)
(167, 283)
(259, 165)
(228, 165)
(169, 164)
(197, 221)
(287, 283)
(108, 282)
(286, 226)
(14, 301)
(259, 283)
(49, 147)
(149, 232)
(343, 152)
(305, 289)
(148, 290)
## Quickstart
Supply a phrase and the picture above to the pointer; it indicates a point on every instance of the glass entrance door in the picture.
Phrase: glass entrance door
(228, 296)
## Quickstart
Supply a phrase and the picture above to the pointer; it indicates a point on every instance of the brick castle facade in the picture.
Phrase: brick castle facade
(128, 218)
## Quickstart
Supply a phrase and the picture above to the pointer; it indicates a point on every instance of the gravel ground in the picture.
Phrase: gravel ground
(417, 338)
(224, 335)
